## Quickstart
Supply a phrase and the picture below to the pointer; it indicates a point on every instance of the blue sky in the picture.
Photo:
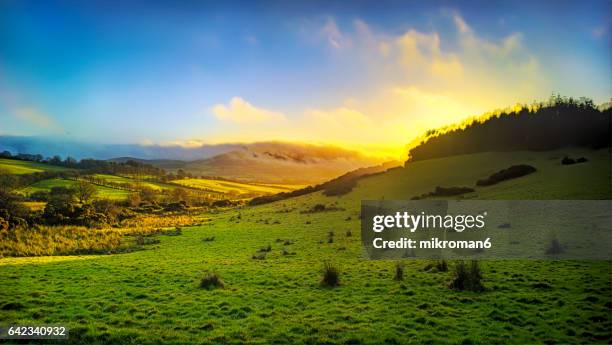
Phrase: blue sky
(370, 74)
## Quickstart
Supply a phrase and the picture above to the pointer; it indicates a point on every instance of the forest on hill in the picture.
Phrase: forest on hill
(556, 123)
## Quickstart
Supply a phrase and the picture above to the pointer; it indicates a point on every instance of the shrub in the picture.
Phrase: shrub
(567, 161)
(144, 240)
(209, 239)
(434, 267)
(444, 191)
(349, 233)
(318, 208)
(514, 171)
(442, 266)
(40, 195)
(211, 280)
(399, 271)
(266, 249)
(340, 187)
(467, 278)
(331, 275)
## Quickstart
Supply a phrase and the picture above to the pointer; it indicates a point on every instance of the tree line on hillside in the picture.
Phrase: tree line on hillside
(88, 165)
(133, 168)
(556, 123)
(339, 186)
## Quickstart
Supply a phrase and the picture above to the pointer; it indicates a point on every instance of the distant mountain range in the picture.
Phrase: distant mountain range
(273, 163)
(55, 146)
(270, 162)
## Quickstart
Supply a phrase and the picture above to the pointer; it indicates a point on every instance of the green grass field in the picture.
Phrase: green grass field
(121, 179)
(152, 296)
(236, 187)
(46, 185)
(13, 166)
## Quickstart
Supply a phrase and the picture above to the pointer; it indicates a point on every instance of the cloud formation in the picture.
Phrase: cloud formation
(425, 79)
(418, 80)
(240, 111)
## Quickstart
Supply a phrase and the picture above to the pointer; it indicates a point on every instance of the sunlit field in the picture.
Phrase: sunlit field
(275, 296)
(23, 167)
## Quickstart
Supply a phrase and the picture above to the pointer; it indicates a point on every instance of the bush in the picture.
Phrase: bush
(445, 191)
(514, 171)
(434, 267)
(211, 280)
(331, 275)
(442, 266)
(567, 161)
(144, 240)
(467, 278)
(318, 208)
(266, 249)
(208, 239)
(340, 187)
(399, 271)
(40, 195)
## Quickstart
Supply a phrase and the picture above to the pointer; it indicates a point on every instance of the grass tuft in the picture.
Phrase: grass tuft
(467, 278)
(399, 271)
(211, 280)
(331, 275)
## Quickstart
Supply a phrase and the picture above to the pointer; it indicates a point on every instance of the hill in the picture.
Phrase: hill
(235, 188)
(102, 192)
(560, 122)
(272, 297)
(12, 166)
(281, 163)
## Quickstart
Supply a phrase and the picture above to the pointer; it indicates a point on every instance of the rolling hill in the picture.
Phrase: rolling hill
(280, 163)
(13, 166)
(152, 291)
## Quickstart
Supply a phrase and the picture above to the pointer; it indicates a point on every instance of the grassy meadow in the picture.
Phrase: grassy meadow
(113, 186)
(102, 192)
(12, 166)
(232, 187)
(153, 295)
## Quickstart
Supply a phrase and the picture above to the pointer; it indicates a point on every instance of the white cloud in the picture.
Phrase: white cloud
(240, 111)
(325, 29)
(413, 81)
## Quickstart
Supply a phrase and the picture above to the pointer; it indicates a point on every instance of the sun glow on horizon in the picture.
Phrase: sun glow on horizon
(368, 81)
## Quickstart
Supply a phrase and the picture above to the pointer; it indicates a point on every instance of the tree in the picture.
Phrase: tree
(147, 195)
(8, 182)
(85, 191)
(134, 199)
(56, 160)
(180, 195)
